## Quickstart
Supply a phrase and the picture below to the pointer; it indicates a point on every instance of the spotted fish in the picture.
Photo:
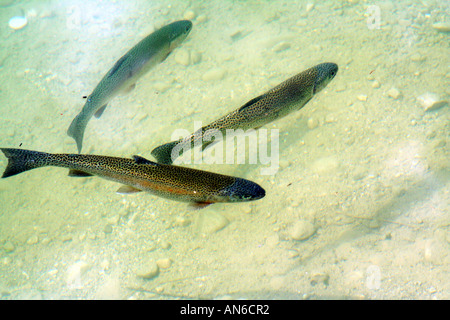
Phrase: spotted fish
(199, 188)
(289, 96)
(127, 70)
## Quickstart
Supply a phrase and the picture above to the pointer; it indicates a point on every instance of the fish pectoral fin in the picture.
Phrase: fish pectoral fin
(127, 190)
(142, 160)
(78, 173)
(99, 112)
(198, 205)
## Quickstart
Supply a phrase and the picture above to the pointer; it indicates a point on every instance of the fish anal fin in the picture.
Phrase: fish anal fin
(78, 173)
(127, 190)
(99, 112)
(199, 205)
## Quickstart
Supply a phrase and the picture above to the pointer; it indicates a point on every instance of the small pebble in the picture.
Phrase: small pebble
(281, 46)
(301, 230)
(375, 84)
(201, 18)
(33, 239)
(147, 270)
(214, 74)
(309, 7)
(394, 93)
(182, 57)
(8, 246)
(442, 26)
(162, 86)
(312, 123)
(165, 244)
(362, 97)
(325, 164)
(437, 105)
(212, 222)
(416, 57)
(164, 263)
(430, 101)
(189, 15)
(17, 23)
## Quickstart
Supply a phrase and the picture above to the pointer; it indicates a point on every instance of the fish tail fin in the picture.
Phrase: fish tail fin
(20, 160)
(76, 131)
(163, 153)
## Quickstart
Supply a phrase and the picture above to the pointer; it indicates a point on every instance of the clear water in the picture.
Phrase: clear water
(364, 163)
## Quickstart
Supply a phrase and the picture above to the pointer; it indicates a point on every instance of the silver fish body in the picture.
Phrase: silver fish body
(122, 77)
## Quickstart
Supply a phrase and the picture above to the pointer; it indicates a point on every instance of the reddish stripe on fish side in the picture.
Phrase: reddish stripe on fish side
(165, 188)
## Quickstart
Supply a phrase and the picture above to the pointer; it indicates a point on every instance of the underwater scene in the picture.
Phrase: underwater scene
(271, 149)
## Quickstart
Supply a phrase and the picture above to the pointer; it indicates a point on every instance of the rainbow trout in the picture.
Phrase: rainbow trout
(199, 188)
(126, 71)
(289, 96)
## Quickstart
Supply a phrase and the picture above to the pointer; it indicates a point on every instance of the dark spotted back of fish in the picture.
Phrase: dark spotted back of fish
(291, 95)
(200, 188)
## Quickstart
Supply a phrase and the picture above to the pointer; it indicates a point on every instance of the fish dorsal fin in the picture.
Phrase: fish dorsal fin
(253, 101)
(142, 160)
(99, 112)
(127, 190)
(78, 173)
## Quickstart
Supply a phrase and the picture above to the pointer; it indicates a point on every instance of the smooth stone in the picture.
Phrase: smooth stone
(442, 26)
(182, 57)
(309, 7)
(189, 15)
(394, 93)
(33, 239)
(164, 263)
(17, 23)
(437, 105)
(162, 86)
(281, 46)
(362, 97)
(147, 270)
(301, 230)
(325, 164)
(416, 57)
(212, 222)
(8, 246)
(214, 74)
(375, 84)
(312, 123)
(201, 18)
(428, 101)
